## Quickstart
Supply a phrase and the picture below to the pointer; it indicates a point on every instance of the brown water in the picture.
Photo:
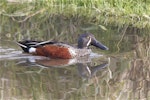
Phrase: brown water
(121, 73)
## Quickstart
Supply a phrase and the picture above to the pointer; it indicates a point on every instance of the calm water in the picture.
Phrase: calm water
(121, 73)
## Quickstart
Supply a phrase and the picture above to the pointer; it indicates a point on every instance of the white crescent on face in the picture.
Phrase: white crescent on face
(89, 41)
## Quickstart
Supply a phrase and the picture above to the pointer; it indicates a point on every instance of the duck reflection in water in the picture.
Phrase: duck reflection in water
(85, 70)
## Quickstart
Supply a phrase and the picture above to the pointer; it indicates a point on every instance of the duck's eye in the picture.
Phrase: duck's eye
(88, 37)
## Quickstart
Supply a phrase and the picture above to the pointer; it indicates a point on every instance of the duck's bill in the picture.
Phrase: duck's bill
(99, 44)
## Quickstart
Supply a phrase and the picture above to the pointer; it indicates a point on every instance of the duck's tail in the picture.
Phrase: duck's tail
(29, 46)
(24, 46)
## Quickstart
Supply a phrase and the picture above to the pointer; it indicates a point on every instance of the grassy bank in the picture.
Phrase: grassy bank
(50, 19)
(131, 12)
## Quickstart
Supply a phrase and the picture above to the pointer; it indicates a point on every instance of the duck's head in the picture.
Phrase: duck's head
(87, 39)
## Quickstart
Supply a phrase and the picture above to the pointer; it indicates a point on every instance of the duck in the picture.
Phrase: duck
(61, 50)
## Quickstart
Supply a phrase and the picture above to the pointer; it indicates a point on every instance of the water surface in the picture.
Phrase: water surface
(121, 73)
